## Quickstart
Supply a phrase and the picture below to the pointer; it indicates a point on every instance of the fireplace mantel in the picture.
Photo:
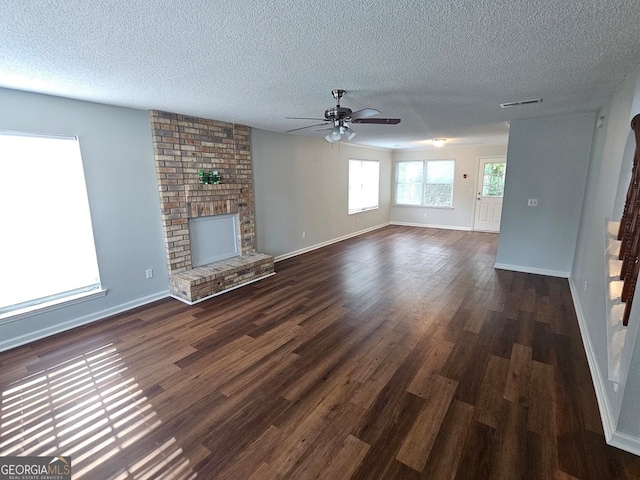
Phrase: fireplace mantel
(203, 200)
(202, 189)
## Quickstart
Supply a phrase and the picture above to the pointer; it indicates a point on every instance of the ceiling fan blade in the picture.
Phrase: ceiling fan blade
(365, 112)
(305, 118)
(378, 121)
(308, 126)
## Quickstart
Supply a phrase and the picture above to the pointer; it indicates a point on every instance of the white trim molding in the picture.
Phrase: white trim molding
(625, 442)
(79, 321)
(534, 270)
(608, 422)
(429, 225)
(295, 253)
(40, 308)
(614, 438)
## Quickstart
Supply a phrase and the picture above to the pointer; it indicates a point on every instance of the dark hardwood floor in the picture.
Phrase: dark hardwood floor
(400, 354)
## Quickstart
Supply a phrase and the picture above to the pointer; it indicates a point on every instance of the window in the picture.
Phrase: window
(364, 185)
(409, 183)
(427, 183)
(493, 179)
(47, 250)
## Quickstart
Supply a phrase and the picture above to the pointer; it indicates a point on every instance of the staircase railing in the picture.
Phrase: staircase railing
(629, 231)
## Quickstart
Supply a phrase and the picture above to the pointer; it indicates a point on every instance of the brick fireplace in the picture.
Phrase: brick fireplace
(183, 145)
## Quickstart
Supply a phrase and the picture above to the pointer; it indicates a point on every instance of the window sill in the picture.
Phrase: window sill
(52, 305)
(437, 207)
(363, 210)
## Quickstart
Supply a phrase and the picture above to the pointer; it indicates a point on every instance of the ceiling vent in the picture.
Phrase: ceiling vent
(521, 102)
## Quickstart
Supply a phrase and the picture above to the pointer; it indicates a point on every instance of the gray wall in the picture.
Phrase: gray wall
(547, 159)
(125, 210)
(608, 178)
(602, 184)
(464, 199)
(301, 185)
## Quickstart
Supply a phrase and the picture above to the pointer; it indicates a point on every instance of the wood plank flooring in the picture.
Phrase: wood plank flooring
(399, 354)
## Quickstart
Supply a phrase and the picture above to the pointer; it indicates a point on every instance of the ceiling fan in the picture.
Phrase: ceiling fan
(336, 119)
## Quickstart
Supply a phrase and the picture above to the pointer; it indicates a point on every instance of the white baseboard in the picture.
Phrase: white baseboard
(625, 442)
(537, 271)
(295, 253)
(608, 422)
(617, 439)
(429, 225)
(77, 322)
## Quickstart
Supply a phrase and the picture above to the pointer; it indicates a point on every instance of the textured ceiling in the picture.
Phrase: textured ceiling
(442, 66)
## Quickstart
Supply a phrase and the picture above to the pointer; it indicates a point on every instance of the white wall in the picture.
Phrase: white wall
(608, 178)
(547, 159)
(464, 198)
(602, 183)
(301, 185)
(125, 209)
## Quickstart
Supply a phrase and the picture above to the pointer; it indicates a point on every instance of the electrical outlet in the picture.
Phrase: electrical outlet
(533, 202)
(357, 220)
(425, 214)
(304, 234)
(586, 282)
(149, 272)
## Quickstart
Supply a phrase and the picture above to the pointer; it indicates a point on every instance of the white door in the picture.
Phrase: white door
(489, 193)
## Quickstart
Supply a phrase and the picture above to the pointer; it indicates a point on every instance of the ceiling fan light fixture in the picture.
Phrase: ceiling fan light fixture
(438, 142)
(338, 131)
(338, 116)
